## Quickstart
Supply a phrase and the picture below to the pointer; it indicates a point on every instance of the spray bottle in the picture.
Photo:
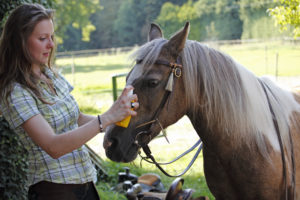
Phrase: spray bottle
(125, 122)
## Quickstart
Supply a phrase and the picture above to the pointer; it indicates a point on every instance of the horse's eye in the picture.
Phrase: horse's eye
(152, 83)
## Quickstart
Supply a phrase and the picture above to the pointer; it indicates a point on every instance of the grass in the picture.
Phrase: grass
(260, 58)
(93, 92)
(192, 180)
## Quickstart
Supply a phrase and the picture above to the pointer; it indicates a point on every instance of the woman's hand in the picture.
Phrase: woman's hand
(121, 108)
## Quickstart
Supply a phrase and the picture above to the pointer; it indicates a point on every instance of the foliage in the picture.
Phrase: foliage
(212, 19)
(7, 6)
(134, 18)
(256, 22)
(72, 40)
(13, 164)
(221, 19)
(287, 13)
(91, 24)
(105, 35)
(75, 13)
(71, 15)
(127, 23)
(172, 17)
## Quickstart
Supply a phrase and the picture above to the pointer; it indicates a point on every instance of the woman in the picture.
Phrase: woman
(37, 103)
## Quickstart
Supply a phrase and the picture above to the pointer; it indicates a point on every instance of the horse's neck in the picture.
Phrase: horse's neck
(213, 140)
(200, 126)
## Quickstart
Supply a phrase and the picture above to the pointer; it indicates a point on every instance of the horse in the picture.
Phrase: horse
(249, 126)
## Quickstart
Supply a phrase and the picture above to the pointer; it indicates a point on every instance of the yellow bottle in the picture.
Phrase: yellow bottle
(125, 122)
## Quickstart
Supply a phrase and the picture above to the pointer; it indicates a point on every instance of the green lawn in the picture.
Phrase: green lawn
(260, 58)
(93, 92)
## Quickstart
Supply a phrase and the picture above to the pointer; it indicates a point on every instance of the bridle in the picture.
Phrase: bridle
(176, 70)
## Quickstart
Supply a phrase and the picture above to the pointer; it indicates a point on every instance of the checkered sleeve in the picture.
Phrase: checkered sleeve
(22, 106)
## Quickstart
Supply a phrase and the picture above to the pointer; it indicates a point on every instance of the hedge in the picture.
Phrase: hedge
(13, 164)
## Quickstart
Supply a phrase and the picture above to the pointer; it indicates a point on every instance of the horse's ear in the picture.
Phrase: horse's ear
(177, 41)
(155, 32)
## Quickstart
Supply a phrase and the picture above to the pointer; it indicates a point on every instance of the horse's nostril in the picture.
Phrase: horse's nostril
(107, 144)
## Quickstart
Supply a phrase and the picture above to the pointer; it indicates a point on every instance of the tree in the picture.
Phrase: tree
(168, 18)
(105, 36)
(68, 12)
(127, 23)
(76, 13)
(7, 6)
(287, 13)
(173, 17)
(210, 19)
(134, 18)
(256, 21)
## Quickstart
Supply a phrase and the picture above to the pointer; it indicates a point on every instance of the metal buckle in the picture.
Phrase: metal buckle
(177, 72)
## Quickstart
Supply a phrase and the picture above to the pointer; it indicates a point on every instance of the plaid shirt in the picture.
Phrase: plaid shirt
(75, 167)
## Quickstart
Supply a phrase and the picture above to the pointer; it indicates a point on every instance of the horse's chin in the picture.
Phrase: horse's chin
(121, 149)
(116, 154)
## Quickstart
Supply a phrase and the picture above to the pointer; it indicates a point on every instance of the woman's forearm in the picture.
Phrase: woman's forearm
(67, 142)
(84, 118)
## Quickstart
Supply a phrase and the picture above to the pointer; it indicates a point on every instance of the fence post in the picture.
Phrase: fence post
(276, 66)
(115, 86)
(73, 69)
(266, 59)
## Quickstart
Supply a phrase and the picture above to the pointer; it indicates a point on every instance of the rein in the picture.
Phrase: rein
(175, 71)
(147, 151)
(284, 168)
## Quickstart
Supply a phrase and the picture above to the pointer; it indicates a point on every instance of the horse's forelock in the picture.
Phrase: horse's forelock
(148, 53)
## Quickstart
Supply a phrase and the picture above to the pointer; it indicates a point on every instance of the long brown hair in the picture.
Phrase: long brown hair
(15, 59)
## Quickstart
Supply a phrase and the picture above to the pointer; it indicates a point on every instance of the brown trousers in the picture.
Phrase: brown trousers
(45, 190)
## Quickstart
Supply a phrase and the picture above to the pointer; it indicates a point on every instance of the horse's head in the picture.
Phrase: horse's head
(157, 80)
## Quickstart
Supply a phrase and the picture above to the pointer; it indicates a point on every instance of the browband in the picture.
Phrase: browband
(163, 62)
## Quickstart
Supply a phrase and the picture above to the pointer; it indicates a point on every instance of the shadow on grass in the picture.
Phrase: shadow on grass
(91, 68)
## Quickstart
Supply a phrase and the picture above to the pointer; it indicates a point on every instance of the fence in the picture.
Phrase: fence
(93, 52)
(115, 84)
